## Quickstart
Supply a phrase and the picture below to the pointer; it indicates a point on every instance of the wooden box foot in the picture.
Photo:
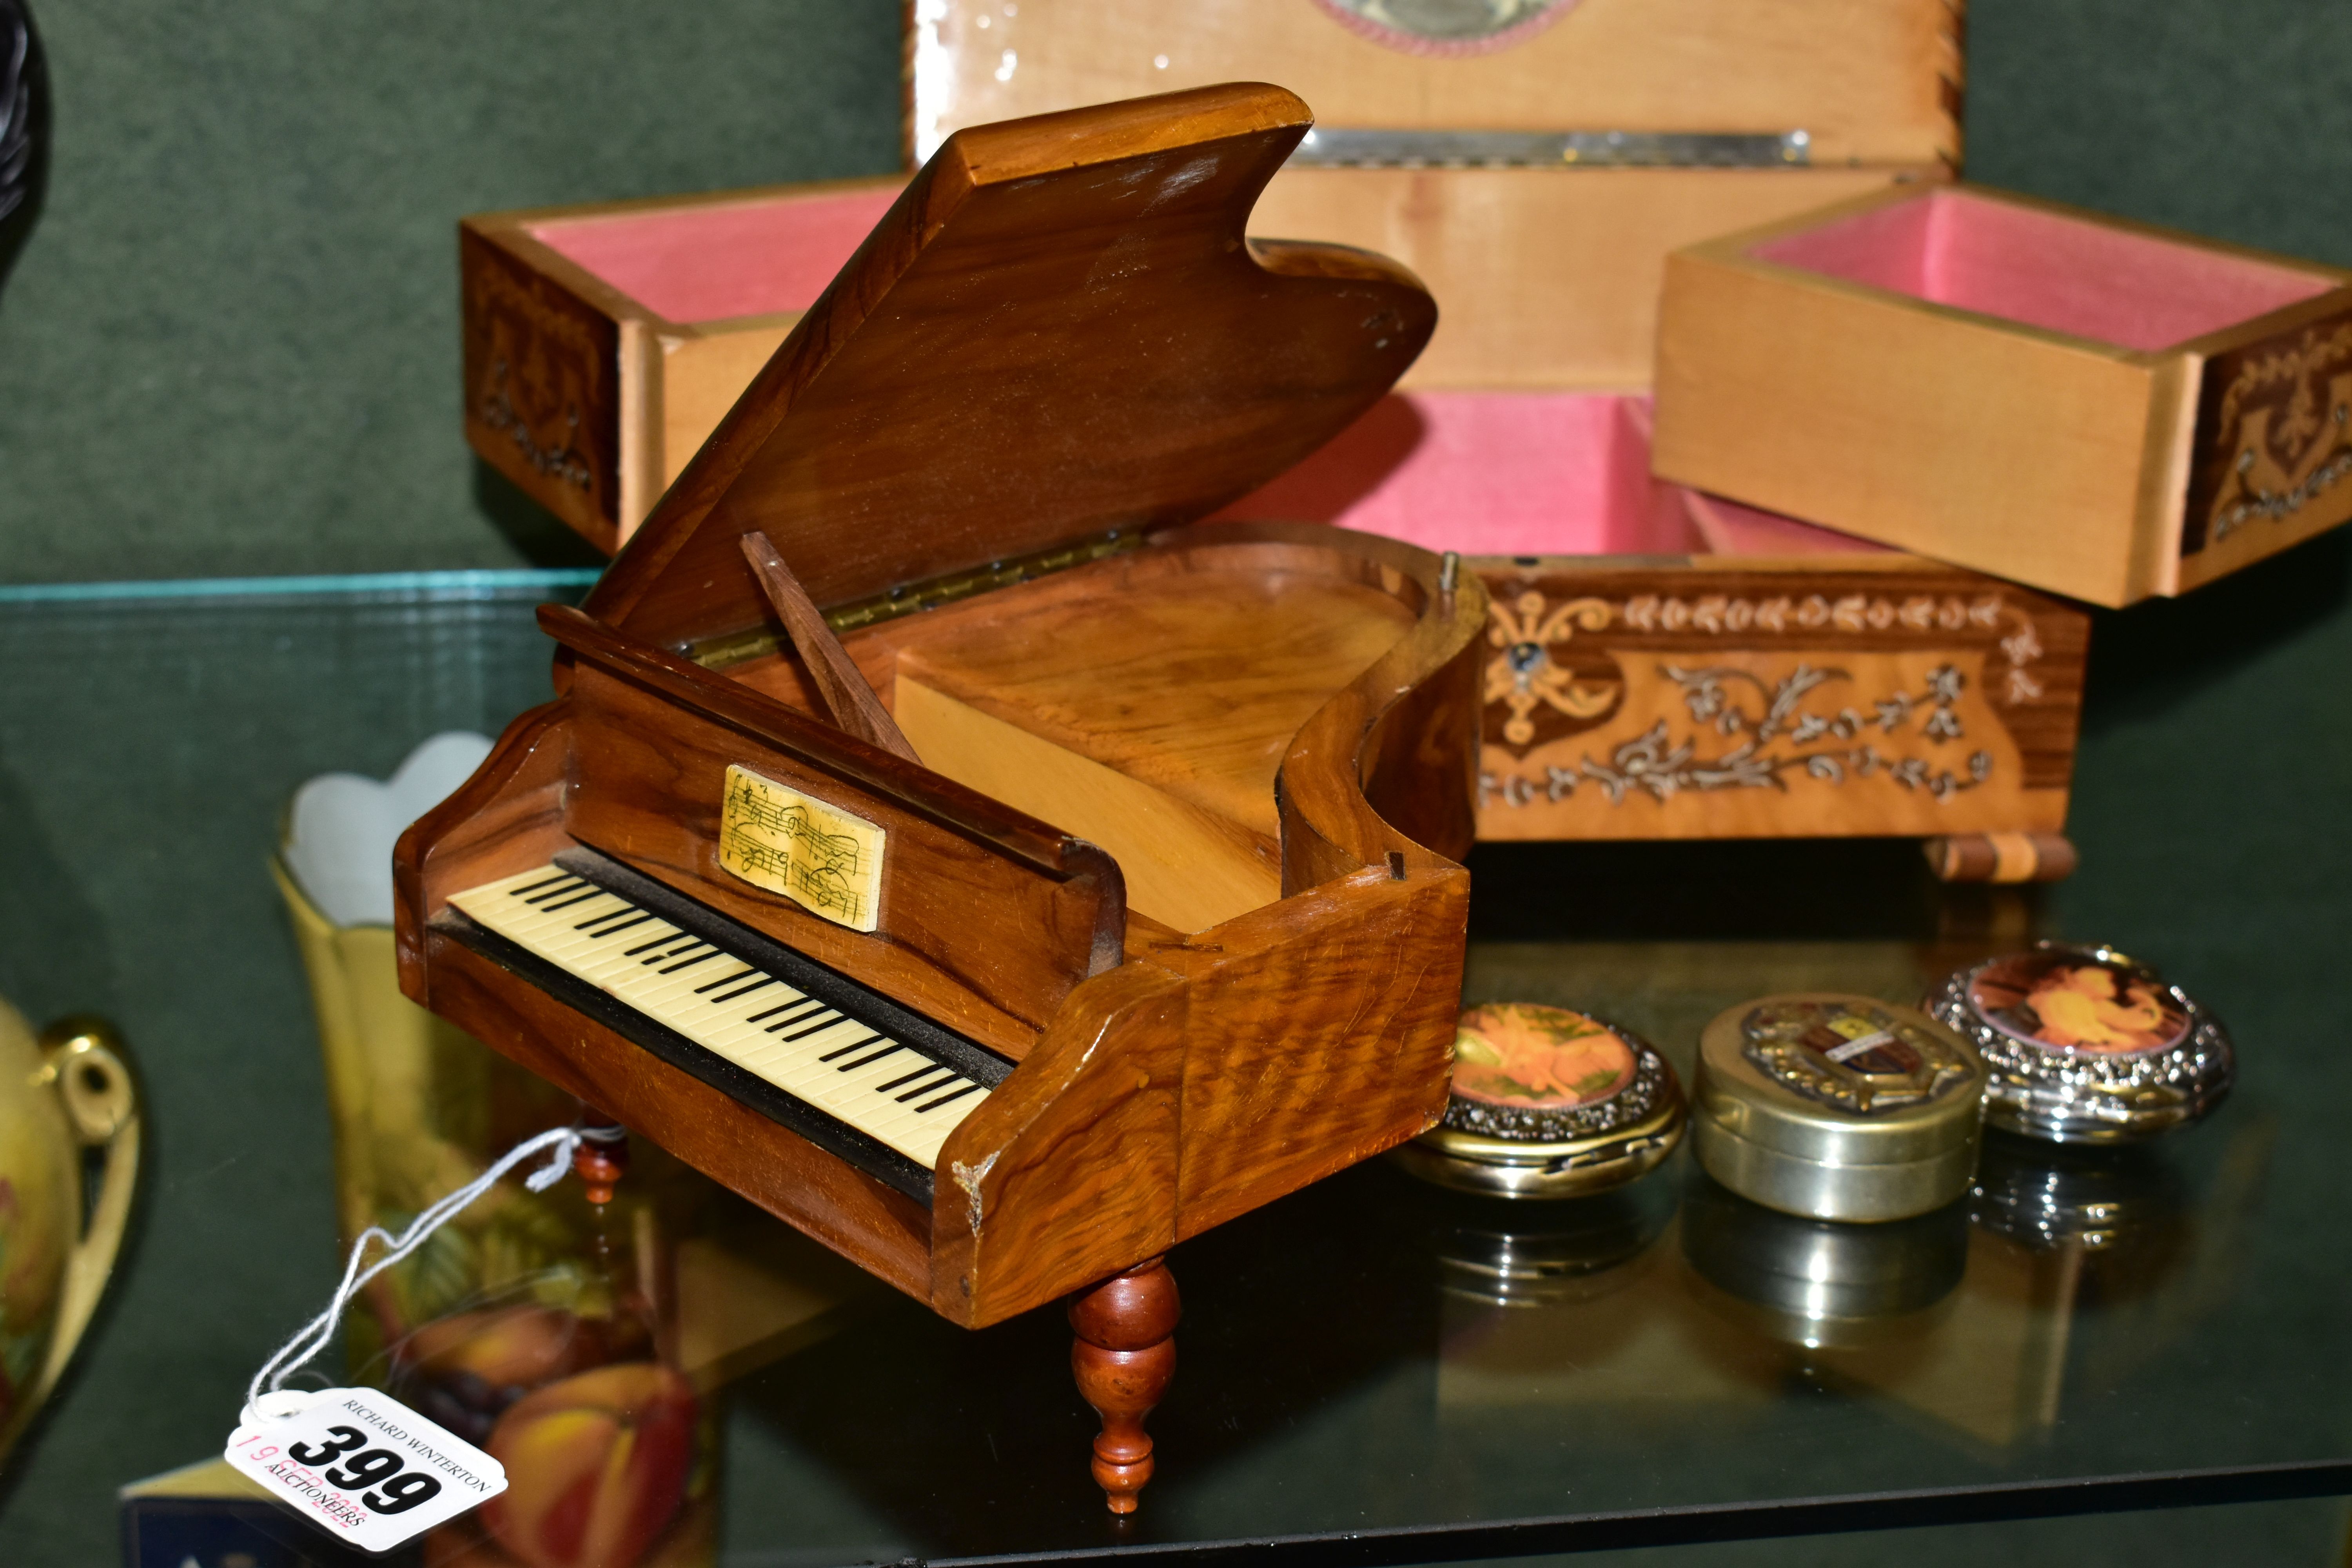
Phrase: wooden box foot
(2001, 857)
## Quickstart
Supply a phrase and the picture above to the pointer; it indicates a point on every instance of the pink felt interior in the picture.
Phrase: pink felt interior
(1500, 473)
(738, 258)
(2045, 270)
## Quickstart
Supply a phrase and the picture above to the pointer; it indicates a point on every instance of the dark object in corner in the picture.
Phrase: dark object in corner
(24, 130)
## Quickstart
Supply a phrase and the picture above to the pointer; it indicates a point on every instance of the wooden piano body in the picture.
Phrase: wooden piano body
(1233, 964)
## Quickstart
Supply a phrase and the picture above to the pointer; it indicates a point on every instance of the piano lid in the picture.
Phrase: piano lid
(1056, 330)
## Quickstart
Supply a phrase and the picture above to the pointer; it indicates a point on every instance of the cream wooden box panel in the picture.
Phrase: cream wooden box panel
(1532, 161)
(2102, 410)
(604, 342)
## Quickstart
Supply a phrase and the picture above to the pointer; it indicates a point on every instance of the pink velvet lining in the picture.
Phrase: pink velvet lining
(1497, 473)
(1482, 473)
(2045, 270)
(735, 258)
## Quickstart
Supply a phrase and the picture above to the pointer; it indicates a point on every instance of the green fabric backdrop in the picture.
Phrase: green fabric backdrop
(231, 346)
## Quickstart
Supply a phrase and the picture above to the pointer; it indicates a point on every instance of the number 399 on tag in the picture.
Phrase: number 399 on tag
(364, 1468)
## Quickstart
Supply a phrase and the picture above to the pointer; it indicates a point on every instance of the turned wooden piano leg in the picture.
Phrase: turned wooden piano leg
(1123, 1357)
(601, 1158)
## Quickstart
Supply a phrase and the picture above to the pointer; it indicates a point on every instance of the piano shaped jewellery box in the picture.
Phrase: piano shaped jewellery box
(1137, 906)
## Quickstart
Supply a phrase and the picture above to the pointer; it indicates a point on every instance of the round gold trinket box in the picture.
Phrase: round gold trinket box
(1837, 1107)
(1549, 1103)
(2086, 1046)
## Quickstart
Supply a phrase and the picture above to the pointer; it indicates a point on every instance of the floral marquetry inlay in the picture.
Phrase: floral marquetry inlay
(1749, 734)
(1525, 677)
(1541, 684)
(1856, 705)
(1718, 613)
(2275, 433)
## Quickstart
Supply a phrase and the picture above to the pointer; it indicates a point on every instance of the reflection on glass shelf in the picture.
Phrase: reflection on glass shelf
(1817, 1284)
(1969, 1325)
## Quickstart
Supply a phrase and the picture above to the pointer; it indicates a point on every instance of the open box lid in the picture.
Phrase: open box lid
(1857, 82)
(1533, 162)
(1056, 331)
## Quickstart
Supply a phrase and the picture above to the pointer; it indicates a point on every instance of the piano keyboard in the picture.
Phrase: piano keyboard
(701, 976)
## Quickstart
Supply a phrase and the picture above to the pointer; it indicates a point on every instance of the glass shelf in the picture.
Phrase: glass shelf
(1369, 1371)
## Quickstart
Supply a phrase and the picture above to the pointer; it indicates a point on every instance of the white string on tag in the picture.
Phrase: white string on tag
(268, 1403)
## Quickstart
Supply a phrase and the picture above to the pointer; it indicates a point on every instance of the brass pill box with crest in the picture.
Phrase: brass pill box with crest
(1837, 1107)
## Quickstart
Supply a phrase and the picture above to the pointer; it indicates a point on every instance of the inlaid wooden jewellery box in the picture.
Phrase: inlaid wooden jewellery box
(1661, 664)
(1166, 919)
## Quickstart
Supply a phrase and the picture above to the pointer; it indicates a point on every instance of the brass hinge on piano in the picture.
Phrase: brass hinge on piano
(991, 1060)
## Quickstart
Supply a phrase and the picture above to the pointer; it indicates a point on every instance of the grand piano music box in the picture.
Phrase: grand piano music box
(1097, 882)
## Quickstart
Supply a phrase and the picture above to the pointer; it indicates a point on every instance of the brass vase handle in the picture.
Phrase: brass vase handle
(84, 1060)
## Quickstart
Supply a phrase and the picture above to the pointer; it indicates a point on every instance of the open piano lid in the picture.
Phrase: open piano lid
(1058, 329)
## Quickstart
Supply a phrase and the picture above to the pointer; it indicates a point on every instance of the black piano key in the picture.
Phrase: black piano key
(827, 1022)
(842, 1050)
(565, 902)
(725, 980)
(909, 1078)
(764, 981)
(705, 957)
(929, 1070)
(864, 1060)
(672, 939)
(946, 1098)
(802, 1003)
(636, 918)
(545, 882)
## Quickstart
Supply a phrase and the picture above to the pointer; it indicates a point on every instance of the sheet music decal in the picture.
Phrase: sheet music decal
(818, 855)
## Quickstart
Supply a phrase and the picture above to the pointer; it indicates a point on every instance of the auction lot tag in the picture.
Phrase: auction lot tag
(362, 1466)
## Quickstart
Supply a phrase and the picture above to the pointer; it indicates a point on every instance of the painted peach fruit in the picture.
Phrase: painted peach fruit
(596, 1467)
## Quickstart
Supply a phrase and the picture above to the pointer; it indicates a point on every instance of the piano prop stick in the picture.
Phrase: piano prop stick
(1166, 922)
(846, 696)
